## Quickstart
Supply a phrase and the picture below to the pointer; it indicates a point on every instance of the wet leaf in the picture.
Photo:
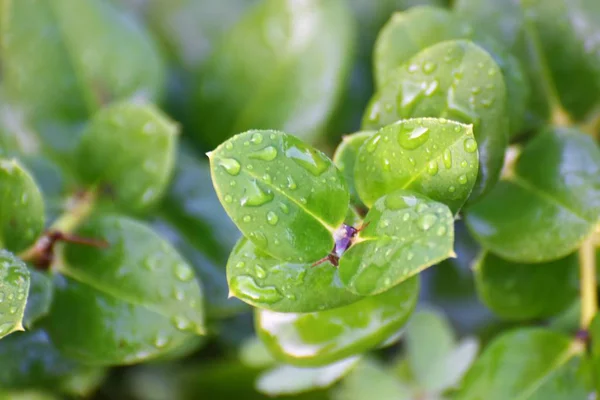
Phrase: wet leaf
(79, 57)
(553, 196)
(280, 67)
(435, 157)
(14, 288)
(518, 291)
(21, 207)
(41, 291)
(129, 150)
(287, 379)
(528, 364)
(345, 159)
(285, 197)
(135, 300)
(320, 338)
(404, 233)
(265, 282)
(456, 80)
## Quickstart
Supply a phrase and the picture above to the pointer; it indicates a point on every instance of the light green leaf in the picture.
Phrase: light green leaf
(456, 80)
(14, 287)
(129, 149)
(404, 233)
(135, 300)
(287, 379)
(265, 282)
(554, 197)
(320, 338)
(280, 67)
(526, 364)
(519, 291)
(435, 157)
(345, 159)
(21, 208)
(285, 197)
(41, 292)
(254, 353)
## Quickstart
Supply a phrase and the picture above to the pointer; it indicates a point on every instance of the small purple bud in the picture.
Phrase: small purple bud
(343, 239)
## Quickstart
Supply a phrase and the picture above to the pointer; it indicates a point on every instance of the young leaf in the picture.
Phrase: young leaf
(456, 80)
(14, 287)
(320, 338)
(285, 196)
(345, 157)
(554, 198)
(79, 57)
(130, 150)
(404, 233)
(21, 207)
(435, 157)
(280, 67)
(528, 364)
(132, 301)
(287, 379)
(265, 282)
(519, 291)
(41, 292)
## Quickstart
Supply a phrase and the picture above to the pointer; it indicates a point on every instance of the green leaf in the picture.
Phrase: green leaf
(287, 379)
(280, 67)
(554, 197)
(594, 332)
(421, 27)
(404, 233)
(135, 300)
(265, 282)
(435, 157)
(254, 354)
(345, 159)
(285, 196)
(21, 207)
(320, 338)
(41, 292)
(526, 364)
(79, 57)
(456, 80)
(518, 291)
(14, 287)
(129, 149)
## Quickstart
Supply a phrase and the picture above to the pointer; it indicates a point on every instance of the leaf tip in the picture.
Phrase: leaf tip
(230, 295)
(209, 154)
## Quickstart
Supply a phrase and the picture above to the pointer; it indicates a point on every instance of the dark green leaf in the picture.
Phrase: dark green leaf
(404, 233)
(345, 159)
(14, 287)
(526, 364)
(320, 338)
(41, 292)
(435, 157)
(265, 282)
(129, 149)
(285, 196)
(79, 57)
(456, 80)
(527, 291)
(21, 207)
(548, 205)
(280, 67)
(135, 300)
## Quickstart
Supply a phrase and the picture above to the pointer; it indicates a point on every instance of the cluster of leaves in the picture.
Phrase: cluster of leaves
(120, 245)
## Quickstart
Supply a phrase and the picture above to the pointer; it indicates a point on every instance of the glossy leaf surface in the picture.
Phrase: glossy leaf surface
(285, 196)
(435, 157)
(265, 282)
(41, 292)
(129, 149)
(320, 338)
(21, 207)
(14, 288)
(280, 67)
(554, 197)
(132, 301)
(456, 80)
(345, 158)
(519, 291)
(528, 364)
(404, 233)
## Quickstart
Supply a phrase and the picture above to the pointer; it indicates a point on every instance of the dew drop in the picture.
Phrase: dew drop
(398, 202)
(441, 231)
(272, 218)
(409, 256)
(181, 322)
(451, 189)
(247, 218)
(432, 167)
(161, 340)
(447, 156)
(231, 165)
(406, 217)
(290, 296)
(259, 238)
(228, 199)
(413, 137)
(374, 114)
(386, 164)
(183, 272)
(229, 146)
(284, 208)
(412, 161)
(426, 221)
(308, 159)
(464, 164)
(257, 138)
(429, 67)
(291, 184)
(150, 263)
(255, 196)
(267, 178)
(269, 153)
(462, 179)
(372, 143)
(240, 264)
(470, 145)
(247, 287)
(260, 271)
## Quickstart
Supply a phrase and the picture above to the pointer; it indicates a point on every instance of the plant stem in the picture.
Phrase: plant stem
(587, 271)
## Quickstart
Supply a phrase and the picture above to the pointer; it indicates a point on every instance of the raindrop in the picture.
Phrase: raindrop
(269, 153)
(308, 159)
(386, 164)
(284, 208)
(462, 179)
(247, 287)
(240, 264)
(470, 145)
(247, 218)
(272, 218)
(426, 221)
(229, 146)
(231, 165)
(451, 189)
(429, 67)
(228, 199)
(412, 137)
(257, 138)
(463, 164)
(161, 340)
(255, 196)
(290, 296)
(441, 231)
(372, 143)
(183, 272)
(291, 184)
(259, 238)
(260, 272)
(432, 167)
(447, 156)
(181, 322)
